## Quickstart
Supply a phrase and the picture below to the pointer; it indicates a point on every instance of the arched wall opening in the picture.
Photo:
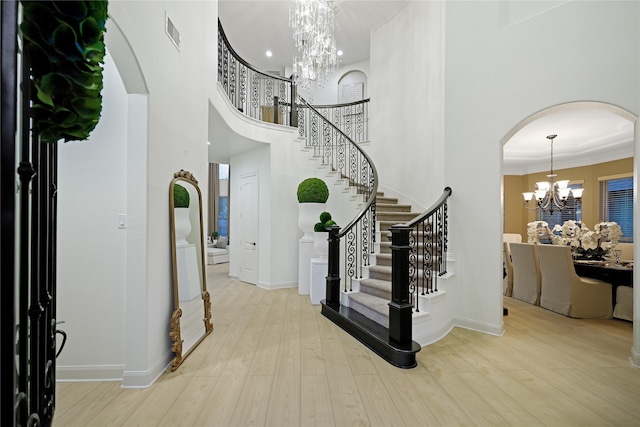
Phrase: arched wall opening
(633, 119)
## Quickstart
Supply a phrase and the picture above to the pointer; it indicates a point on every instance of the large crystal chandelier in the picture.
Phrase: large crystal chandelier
(552, 195)
(313, 23)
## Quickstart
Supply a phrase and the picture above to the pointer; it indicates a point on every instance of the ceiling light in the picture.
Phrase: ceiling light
(313, 23)
(269, 54)
(339, 53)
(552, 195)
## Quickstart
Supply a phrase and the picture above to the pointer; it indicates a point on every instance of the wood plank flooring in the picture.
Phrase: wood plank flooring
(274, 360)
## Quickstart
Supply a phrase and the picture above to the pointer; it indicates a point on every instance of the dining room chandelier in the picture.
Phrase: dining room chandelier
(552, 195)
(313, 23)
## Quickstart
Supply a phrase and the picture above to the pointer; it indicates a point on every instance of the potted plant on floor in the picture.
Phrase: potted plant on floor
(312, 198)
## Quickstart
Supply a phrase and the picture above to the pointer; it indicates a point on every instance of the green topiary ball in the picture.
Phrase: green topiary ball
(324, 217)
(180, 196)
(313, 190)
(329, 223)
(319, 227)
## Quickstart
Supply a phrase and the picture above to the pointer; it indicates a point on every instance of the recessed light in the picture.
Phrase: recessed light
(339, 53)
(269, 54)
(208, 143)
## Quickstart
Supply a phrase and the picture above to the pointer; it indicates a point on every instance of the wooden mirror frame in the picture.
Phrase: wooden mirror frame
(175, 333)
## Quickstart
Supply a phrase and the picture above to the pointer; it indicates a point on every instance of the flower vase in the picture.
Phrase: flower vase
(308, 214)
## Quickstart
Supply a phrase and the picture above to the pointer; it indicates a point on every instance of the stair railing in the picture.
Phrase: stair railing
(419, 253)
(352, 164)
(253, 92)
(351, 118)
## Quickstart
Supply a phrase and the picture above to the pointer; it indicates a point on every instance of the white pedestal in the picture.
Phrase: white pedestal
(188, 277)
(318, 275)
(305, 253)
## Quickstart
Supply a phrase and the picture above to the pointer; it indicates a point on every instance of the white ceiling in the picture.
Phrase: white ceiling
(585, 135)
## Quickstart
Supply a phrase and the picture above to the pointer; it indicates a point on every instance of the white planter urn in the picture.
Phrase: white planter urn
(182, 225)
(308, 216)
(321, 243)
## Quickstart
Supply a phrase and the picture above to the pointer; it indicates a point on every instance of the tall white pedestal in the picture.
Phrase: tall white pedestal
(305, 253)
(188, 277)
(318, 275)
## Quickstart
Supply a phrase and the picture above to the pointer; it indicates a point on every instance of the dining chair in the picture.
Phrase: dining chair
(508, 285)
(526, 272)
(624, 303)
(564, 292)
(508, 238)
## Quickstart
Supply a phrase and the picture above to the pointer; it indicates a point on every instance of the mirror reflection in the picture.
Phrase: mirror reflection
(191, 318)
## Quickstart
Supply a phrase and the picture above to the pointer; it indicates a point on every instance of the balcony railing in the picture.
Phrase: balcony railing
(251, 91)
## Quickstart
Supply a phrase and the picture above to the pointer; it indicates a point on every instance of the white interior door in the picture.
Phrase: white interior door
(249, 228)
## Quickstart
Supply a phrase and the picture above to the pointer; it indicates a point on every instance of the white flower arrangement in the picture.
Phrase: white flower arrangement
(603, 237)
(537, 229)
(609, 232)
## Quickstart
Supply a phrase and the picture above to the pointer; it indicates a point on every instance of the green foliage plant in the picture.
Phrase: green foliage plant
(324, 217)
(181, 197)
(313, 190)
(64, 43)
(325, 223)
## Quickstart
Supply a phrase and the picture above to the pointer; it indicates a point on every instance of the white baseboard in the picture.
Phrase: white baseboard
(634, 358)
(143, 379)
(473, 325)
(273, 286)
(89, 373)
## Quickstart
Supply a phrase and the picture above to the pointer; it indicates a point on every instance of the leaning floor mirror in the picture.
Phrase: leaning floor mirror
(191, 318)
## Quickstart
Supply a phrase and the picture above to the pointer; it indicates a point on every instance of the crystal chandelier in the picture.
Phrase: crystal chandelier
(313, 23)
(552, 195)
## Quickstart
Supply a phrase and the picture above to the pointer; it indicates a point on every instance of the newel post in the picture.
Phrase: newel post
(400, 322)
(332, 296)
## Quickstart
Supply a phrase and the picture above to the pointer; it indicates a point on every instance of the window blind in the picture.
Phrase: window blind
(616, 204)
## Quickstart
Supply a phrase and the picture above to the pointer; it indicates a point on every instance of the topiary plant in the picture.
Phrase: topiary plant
(324, 217)
(64, 41)
(324, 224)
(313, 190)
(180, 196)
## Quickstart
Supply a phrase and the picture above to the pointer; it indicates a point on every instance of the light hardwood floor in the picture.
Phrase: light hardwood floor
(274, 360)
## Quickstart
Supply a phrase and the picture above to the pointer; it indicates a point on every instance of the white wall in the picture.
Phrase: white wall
(177, 83)
(406, 86)
(502, 67)
(328, 94)
(92, 255)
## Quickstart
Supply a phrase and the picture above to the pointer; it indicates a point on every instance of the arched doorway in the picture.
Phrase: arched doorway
(617, 137)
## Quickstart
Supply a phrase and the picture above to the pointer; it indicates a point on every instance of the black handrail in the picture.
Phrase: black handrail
(372, 196)
(426, 238)
(443, 198)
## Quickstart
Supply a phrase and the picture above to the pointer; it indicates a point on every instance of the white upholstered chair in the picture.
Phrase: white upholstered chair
(508, 281)
(624, 303)
(526, 272)
(564, 292)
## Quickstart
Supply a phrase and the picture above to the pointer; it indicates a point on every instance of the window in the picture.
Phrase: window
(559, 217)
(616, 204)
(223, 216)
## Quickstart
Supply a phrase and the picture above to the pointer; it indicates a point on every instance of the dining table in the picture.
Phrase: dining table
(617, 273)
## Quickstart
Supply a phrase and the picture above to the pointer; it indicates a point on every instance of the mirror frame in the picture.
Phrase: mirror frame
(175, 334)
